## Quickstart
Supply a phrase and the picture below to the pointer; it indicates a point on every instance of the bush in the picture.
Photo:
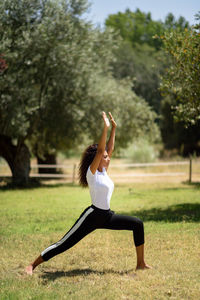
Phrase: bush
(140, 151)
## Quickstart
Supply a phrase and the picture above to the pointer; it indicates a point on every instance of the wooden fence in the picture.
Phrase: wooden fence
(69, 172)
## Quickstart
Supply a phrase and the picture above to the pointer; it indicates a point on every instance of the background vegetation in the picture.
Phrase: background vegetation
(57, 72)
(56, 78)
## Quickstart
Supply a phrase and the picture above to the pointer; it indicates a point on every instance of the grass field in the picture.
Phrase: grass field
(101, 266)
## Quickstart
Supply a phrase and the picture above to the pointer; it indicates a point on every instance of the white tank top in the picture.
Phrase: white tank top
(101, 188)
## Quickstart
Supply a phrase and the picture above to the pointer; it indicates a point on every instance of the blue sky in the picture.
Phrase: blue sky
(100, 9)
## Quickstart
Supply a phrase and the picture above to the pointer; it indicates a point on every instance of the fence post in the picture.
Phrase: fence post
(190, 170)
(74, 174)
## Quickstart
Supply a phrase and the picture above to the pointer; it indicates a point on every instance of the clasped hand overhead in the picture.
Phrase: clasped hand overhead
(106, 120)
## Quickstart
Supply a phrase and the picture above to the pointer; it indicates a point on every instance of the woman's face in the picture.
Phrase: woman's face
(104, 161)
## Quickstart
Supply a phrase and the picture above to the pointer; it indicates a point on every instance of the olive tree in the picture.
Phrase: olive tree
(55, 78)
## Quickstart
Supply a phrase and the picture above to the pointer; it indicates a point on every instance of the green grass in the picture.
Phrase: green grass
(99, 266)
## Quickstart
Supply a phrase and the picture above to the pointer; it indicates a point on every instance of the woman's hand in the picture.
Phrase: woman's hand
(114, 124)
(105, 119)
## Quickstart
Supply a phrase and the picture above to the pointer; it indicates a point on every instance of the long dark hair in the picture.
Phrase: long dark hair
(86, 160)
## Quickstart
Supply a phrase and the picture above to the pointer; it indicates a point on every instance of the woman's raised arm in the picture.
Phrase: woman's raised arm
(111, 142)
(101, 145)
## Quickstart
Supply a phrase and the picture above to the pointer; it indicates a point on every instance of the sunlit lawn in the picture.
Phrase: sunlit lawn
(101, 266)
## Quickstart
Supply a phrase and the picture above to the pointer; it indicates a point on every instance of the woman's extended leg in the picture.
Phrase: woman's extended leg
(120, 222)
(80, 229)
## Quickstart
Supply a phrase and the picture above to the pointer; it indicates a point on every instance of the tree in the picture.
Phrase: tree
(182, 77)
(175, 135)
(144, 66)
(58, 70)
(48, 50)
(136, 27)
(134, 117)
(140, 56)
(171, 23)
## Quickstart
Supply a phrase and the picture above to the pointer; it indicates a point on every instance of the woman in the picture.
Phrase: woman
(92, 173)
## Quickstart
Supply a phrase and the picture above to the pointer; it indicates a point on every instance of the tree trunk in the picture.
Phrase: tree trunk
(49, 159)
(18, 159)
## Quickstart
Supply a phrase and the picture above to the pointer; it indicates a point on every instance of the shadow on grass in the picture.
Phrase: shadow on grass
(34, 184)
(195, 184)
(80, 272)
(185, 212)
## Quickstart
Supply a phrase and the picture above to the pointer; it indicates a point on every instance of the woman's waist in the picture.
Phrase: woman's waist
(100, 209)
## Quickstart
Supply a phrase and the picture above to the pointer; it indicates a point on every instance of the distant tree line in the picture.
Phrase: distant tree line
(163, 61)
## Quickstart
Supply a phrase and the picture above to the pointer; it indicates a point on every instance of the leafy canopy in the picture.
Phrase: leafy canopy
(181, 79)
(58, 69)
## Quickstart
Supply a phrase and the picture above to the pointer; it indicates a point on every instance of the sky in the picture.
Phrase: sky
(100, 9)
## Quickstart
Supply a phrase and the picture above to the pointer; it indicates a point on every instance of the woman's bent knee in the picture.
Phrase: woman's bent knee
(139, 225)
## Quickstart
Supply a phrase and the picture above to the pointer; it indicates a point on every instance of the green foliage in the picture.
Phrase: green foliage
(134, 117)
(136, 27)
(58, 78)
(42, 42)
(140, 56)
(174, 133)
(171, 23)
(144, 65)
(182, 77)
(139, 28)
(140, 151)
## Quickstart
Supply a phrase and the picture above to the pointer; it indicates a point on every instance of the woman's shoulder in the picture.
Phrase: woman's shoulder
(89, 174)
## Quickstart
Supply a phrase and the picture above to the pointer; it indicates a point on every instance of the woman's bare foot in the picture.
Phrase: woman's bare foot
(29, 270)
(32, 266)
(143, 266)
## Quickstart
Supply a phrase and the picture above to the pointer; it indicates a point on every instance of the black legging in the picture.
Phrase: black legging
(93, 218)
